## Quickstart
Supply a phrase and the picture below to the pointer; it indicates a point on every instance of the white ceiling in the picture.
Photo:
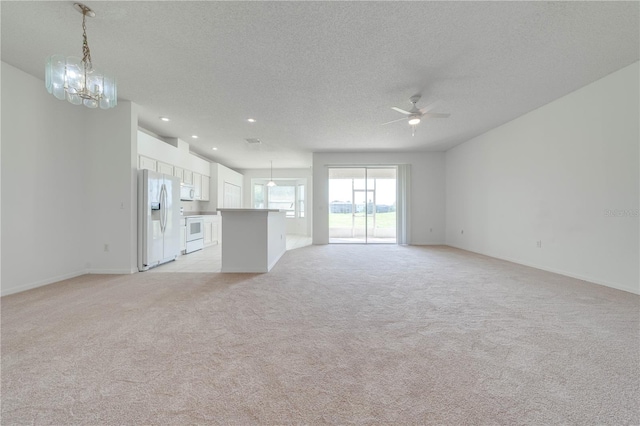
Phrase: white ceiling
(323, 76)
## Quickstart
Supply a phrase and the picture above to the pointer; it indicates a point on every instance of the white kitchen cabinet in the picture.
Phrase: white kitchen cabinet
(208, 233)
(205, 188)
(215, 231)
(183, 235)
(197, 185)
(187, 177)
(211, 229)
(179, 173)
(165, 168)
(146, 163)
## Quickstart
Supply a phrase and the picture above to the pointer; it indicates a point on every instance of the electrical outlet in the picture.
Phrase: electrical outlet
(539, 244)
(106, 247)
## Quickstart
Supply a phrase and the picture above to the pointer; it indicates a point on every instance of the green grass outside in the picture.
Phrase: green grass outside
(344, 220)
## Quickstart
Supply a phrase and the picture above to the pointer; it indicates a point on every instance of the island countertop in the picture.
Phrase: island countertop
(250, 210)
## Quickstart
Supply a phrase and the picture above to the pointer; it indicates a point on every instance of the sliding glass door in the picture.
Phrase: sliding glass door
(362, 205)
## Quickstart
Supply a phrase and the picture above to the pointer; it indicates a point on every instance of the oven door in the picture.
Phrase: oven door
(195, 228)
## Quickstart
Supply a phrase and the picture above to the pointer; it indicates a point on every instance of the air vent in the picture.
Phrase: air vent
(253, 141)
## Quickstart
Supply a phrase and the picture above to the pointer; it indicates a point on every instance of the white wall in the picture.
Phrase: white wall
(299, 226)
(427, 193)
(43, 168)
(111, 205)
(67, 186)
(556, 175)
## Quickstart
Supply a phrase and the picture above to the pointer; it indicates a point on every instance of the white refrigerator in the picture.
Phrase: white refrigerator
(158, 218)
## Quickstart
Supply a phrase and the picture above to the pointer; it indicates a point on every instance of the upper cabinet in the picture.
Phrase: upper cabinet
(201, 185)
(211, 181)
(179, 173)
(171, 151)
(206, 180)
(200, 182)
(197, 185)
(147, 163)
(187, 177)
(165, 168)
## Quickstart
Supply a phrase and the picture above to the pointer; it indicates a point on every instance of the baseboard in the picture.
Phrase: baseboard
(48, 281)
(272, 264)
(557, 271)
(109, 271)
(30, 286)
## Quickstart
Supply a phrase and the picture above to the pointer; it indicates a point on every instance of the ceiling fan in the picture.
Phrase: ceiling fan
(415, 115)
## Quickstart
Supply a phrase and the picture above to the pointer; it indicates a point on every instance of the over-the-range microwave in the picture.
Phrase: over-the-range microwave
(187, 192)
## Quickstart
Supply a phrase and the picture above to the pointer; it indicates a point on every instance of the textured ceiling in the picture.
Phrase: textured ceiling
(323, 76)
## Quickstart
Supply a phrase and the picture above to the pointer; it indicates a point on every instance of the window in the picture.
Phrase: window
(300, 200)
(258, 196)
(288, 195)
(362, 204)
(282, 198)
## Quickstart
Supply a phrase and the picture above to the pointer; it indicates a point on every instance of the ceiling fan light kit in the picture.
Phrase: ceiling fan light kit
(415, 115)
(76, 80)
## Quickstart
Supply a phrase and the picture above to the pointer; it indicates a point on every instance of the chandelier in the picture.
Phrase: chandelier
(76, 80)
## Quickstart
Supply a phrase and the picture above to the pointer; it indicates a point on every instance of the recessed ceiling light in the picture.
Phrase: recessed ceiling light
(164, 119)
(251, 120)
(194, 136)
(214, 148)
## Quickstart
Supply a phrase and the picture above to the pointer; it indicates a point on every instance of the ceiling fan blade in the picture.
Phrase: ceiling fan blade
(401, 111)
(393, 121)
(429, 107)
(435, 115)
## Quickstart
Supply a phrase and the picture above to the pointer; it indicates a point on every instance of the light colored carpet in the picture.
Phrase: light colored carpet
(334, 334)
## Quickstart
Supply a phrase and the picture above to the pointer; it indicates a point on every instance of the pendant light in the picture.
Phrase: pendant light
(271, 182)
(76, 80)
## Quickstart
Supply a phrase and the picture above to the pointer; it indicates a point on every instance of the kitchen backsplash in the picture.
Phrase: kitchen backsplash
(193, 206)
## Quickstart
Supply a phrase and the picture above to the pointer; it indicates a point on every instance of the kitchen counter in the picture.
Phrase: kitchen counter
(250, 210)
(192, 214)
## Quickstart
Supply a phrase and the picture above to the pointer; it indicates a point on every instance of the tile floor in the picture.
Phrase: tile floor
(209, 258)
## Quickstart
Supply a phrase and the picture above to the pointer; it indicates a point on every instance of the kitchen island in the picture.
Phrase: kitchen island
(253, 240)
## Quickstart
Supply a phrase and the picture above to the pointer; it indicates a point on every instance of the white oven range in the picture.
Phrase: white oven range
(195, 233)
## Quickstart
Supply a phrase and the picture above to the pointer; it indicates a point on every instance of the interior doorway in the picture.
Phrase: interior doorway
(362, 205)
